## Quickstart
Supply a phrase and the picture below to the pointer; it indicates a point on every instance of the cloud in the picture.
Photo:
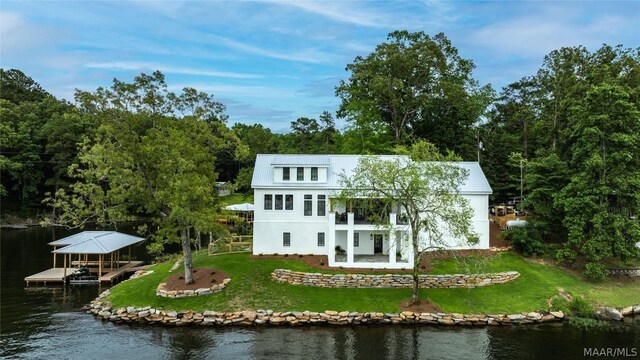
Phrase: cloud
(339, 12)
(306, 55)
(536, 35)
(19, 36)
(250, 91)
(128, 65)
(321, 87)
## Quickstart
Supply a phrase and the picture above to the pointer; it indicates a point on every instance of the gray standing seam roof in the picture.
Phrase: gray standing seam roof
(96, 242)
(476, 182)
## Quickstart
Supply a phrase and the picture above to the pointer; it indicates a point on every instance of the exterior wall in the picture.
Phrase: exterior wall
(293, 175)
(480, 221)
(269, 225)
(366, 242)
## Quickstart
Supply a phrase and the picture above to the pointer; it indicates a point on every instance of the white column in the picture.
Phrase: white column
(331, 239)
(350, 249)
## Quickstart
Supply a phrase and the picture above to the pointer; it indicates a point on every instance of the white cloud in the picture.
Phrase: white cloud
(339, 11)
(536, 35)
(128, 65)
(306, 55)
(17, 35)
(248, 91)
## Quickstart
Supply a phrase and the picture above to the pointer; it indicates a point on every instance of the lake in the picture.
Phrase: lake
(45, 322)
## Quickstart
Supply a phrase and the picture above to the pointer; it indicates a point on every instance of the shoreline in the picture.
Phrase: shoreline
(147, 315)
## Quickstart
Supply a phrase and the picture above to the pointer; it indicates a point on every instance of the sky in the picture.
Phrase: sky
(271, 62)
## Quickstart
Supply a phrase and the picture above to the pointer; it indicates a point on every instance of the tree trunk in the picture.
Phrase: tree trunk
(416, 266)
(186, 252)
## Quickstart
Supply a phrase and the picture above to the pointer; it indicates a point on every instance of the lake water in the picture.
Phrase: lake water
(46, 322)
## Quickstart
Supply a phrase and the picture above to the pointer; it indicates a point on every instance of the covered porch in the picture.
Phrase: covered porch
(359, 245)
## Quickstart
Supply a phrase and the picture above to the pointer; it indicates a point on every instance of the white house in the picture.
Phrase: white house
(297, 212)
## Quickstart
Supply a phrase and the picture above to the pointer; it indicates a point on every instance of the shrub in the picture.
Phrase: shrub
(582, 308)
(595, 271)
(527, 240)
(578, 307)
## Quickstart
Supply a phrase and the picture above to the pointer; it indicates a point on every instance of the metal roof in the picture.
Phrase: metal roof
(96, 242)
(318, 160)
(74, 239)
(476, 182)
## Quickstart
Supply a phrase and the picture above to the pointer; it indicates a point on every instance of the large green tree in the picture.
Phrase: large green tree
(603, 197)
(416, 85)
(153, 157)
(426, 185)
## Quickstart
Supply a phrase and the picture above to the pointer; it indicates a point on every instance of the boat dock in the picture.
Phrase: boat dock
(113, 275)
(58, 275)
(54, 275)
(83, 246)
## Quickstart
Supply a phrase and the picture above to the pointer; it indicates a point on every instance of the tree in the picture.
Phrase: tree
(603, 196)
(426, 186)
(146, 161)
(17, 87)
(416, 85)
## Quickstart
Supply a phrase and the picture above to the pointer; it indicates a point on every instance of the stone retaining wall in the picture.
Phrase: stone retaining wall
(161, 291)
(148, 315)
(391, 280)
(624, 272)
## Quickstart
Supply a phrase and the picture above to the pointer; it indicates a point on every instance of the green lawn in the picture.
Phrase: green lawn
(236, 199)
(251, 287)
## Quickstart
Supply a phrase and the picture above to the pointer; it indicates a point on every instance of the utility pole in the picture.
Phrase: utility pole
(521, 178)
(479, 145)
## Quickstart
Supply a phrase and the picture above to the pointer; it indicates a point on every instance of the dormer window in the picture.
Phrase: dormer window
(285, 174)
(314, 174)
(300, 174)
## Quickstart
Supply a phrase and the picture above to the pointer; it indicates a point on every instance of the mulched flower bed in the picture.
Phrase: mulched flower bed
(202, 278)
(322, 262)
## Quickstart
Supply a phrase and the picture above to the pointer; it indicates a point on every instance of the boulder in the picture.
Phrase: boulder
(608, 313)
(557, 314)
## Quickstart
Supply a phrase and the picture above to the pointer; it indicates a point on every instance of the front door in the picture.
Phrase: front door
(377, 243)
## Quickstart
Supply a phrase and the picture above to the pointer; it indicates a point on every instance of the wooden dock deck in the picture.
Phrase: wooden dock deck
(56, 275)
(52, 275)
(112, 275)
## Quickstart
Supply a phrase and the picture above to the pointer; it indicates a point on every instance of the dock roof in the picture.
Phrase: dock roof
(95, 242)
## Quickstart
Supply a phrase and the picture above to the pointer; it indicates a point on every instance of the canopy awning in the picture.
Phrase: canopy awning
(96, 242)
(240, 207)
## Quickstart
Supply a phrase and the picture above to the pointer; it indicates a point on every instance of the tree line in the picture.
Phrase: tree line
(567, 137)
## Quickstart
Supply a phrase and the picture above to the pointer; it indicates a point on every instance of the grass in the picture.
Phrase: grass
(251, 287)
(237, 198)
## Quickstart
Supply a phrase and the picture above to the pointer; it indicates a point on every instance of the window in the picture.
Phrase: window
(288, 202)
(268, 202)
(308, 205)
(321, 205)
(314, 174)
(285, 174)
(356, 239)
(278, 202)
(300, 174)
(286, 239)
(320, 239)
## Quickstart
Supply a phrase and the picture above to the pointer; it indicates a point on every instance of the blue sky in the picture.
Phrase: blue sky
(271, 62)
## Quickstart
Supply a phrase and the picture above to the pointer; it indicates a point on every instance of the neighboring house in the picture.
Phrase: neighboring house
(297, 212)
